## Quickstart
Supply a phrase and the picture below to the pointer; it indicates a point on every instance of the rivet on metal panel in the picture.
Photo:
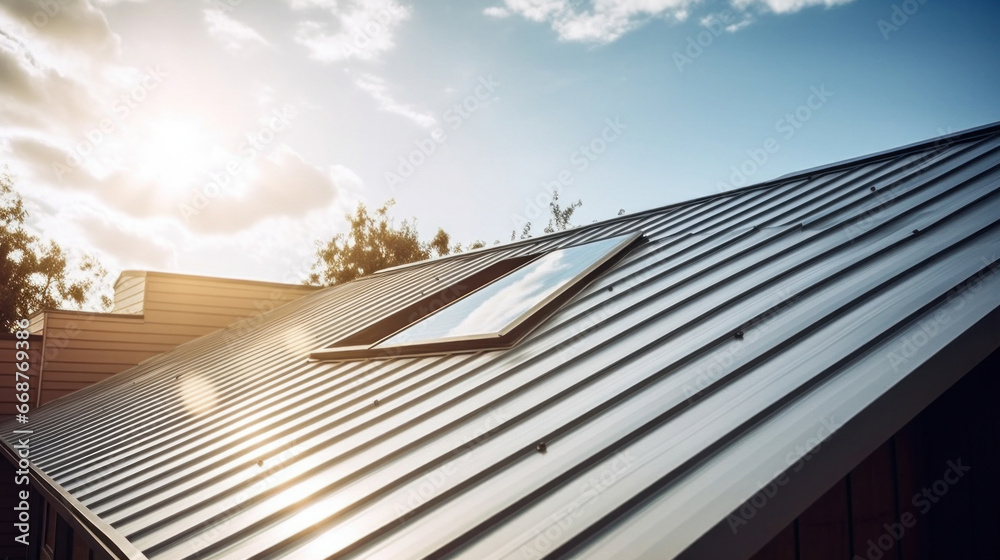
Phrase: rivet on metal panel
(542, 447)
(872, 188)
(260, 462)
(611, 288)
(376, 402)
(739, 334)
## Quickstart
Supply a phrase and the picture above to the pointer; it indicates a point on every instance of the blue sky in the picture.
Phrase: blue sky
(226, 137)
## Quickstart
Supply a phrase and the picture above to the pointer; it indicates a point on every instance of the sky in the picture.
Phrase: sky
(227, 137)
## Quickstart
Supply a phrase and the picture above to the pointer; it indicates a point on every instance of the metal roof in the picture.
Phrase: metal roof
(750, 327)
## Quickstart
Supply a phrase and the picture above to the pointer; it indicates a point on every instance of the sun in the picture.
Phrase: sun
(171, 153)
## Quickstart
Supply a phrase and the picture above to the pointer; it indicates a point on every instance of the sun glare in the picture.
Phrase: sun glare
(197, 394)
(172, 153)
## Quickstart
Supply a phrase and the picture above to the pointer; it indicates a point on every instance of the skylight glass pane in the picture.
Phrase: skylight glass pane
(490, 310)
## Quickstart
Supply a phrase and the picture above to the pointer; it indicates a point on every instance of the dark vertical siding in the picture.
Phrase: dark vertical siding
(823, 530)
(8, 498)
(913, 478)
(781, 547)
(873, 505)
(908, 460)
(984, 480)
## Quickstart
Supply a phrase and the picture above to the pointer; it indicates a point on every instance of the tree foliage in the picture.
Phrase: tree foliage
(36, 275)
(440, 244)
(559, 218)
(374, 242)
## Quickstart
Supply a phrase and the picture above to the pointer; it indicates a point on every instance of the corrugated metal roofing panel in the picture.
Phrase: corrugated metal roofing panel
(663, 393)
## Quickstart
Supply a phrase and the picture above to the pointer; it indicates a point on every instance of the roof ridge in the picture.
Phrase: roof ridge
(968, 134)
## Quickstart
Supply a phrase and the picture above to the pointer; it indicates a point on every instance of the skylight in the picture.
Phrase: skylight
(504, 310)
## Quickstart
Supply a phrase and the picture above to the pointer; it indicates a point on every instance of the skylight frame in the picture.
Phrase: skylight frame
(506, 337)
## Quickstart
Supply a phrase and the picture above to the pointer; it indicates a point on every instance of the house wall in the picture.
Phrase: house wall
(8, 361)
(912, 478)
(153, 313)
(83, 348)
(129, 290)
(199, 305)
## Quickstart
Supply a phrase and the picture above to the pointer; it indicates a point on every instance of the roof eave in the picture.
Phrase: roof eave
(852, 442)
(100, 535)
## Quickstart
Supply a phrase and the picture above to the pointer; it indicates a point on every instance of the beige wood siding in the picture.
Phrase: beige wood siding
(8, 355)
(153, 313)
(128, 293)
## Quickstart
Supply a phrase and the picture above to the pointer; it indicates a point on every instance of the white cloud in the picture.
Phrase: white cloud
(359, 29)
(496, 12)
(310, 4)
(132, 242)
(282, 184)
(786, 6)
(61, 78)
(605, 21)
(731, 24)
(106, 152)
(69, 25)
(233, 35)
(379, 90)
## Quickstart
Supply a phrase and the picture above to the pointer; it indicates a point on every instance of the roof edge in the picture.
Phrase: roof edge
(83, 312)
(851, 443)
(971, 133)
(99, 534)
(967, 134)
(261, 283)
